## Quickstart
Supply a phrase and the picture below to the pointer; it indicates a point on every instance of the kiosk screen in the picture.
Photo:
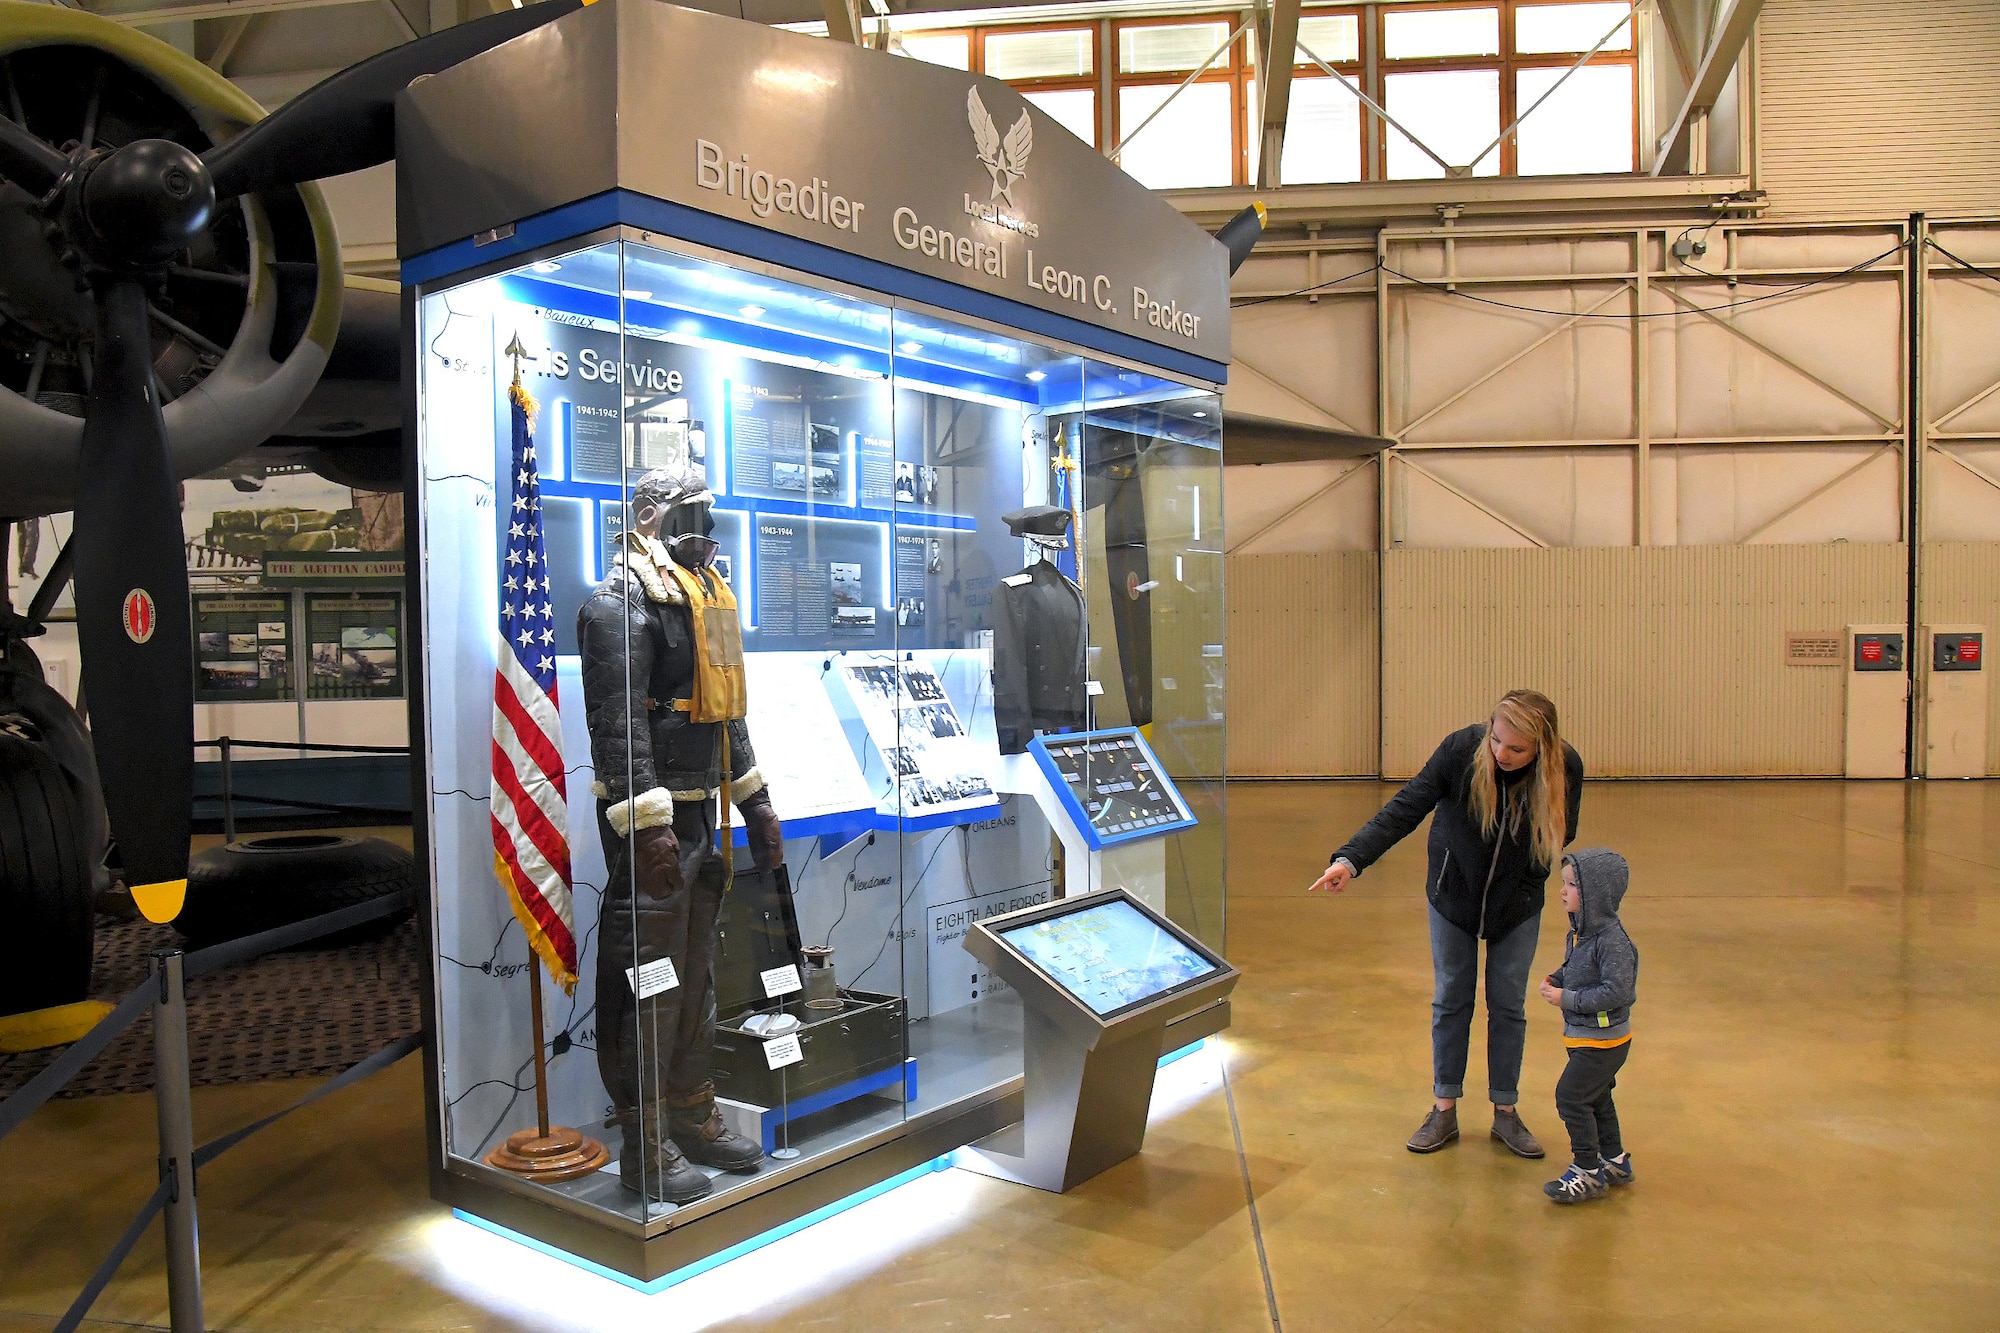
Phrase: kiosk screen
(1111, 956)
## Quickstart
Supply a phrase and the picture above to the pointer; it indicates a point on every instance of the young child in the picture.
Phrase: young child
(1594, 988)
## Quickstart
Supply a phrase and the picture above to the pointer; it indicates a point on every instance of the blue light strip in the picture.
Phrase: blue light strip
(759, 1241)
(721, 1257)
(904, 1074)
(692, 224)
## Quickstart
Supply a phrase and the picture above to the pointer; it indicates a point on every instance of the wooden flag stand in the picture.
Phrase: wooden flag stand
(547, 1152)
(550, 1153)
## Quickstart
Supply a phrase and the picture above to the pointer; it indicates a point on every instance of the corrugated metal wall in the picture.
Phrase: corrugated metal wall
(1962, 587)
(1664, 661)
(1303, 664)
(1879, 107)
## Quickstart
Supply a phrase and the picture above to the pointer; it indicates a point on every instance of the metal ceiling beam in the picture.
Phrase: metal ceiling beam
(1670, 23)
(233, 31)
(401, 20)
(1277, 50)
(146, 18)
(1377, 203)
(1732, 33)
(843, 21)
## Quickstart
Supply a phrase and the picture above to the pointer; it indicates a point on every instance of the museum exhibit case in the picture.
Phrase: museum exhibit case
(758, 583)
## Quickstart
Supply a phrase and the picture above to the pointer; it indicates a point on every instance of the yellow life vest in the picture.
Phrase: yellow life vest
(721, 692)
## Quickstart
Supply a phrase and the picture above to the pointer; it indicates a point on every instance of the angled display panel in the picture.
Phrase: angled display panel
(1112, 786)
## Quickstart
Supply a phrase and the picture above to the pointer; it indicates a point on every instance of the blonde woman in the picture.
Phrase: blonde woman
(1506, 794)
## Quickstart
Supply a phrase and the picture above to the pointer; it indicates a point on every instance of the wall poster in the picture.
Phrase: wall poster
(242, 647)
(356, 645)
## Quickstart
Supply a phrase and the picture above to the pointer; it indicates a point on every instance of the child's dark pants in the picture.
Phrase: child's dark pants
(1583, 1100)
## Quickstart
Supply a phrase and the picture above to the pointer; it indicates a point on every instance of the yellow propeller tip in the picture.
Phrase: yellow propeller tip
(161, 902)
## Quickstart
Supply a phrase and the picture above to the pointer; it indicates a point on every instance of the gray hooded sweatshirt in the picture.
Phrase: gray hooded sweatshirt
(1600, 972)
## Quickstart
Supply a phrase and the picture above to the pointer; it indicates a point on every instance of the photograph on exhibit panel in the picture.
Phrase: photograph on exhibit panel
(912, 723)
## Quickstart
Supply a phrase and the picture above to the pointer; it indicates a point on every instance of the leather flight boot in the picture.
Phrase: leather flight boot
(1507, 1128)
(1439, 1128)
(696, 1124)
(654, 1166)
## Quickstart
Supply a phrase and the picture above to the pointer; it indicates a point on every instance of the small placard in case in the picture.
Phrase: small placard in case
(782, 1051)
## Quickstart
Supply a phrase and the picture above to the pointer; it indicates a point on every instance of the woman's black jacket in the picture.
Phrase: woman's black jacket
(1479, 887)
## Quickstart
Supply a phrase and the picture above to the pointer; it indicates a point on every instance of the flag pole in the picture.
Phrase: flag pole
(548, 1152)
(541, 1045)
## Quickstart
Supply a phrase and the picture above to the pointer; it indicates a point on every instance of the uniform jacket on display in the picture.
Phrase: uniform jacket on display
(638, 658)
(1599, 977)
(1038, 656)
(1484, 888)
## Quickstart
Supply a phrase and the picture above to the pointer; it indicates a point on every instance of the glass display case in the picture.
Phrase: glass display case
(939, 538)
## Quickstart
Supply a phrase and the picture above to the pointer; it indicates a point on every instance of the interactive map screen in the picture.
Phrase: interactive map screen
(1111, 956)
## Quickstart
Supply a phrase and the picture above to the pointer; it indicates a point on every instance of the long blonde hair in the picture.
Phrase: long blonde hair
(1547, 805)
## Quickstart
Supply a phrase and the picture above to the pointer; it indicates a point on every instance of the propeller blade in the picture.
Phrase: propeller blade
(1240, 233)
(348, 121)
(132, 606)
(26, 160)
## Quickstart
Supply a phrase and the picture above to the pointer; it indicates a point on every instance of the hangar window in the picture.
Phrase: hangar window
(1054, 66)
(1179, 139)
(1453, 75)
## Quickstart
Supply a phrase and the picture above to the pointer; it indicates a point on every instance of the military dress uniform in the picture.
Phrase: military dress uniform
(1039, 641)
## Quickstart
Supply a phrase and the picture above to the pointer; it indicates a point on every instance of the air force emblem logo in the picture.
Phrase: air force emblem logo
(1006, 158)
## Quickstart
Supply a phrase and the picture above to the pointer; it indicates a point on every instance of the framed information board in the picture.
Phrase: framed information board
(242, 647)
(1111, 785)
(356, 643)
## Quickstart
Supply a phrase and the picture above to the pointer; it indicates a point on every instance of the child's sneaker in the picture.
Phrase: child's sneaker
(1576, 1185)
(1618, 1170)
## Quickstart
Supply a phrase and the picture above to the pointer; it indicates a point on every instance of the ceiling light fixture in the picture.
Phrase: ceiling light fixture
(1037, 376)
(636, 294)
(911, 347)
(547, 266)
(751, 312)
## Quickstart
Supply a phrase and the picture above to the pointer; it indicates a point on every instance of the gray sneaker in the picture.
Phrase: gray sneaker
(1439, 1128)
(1507, 1128)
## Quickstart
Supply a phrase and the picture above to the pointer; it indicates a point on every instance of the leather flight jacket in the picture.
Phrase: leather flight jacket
(636, 639)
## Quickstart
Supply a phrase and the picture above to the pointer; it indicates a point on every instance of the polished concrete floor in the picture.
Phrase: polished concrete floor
(1813, 1105)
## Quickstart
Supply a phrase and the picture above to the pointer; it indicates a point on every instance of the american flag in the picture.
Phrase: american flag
(530, 801)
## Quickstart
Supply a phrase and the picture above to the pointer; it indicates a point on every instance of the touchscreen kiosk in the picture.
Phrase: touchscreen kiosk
(1111, 956)
(1111, 786)
(1101, 977)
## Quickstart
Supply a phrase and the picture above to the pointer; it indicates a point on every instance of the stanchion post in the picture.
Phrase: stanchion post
(228, 797)
(176, 1116)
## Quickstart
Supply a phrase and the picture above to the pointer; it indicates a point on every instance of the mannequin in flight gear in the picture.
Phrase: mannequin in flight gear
(1038, 639)
(663, 694)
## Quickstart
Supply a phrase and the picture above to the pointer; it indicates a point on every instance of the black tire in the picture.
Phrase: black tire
(45, 893)
(263, 883)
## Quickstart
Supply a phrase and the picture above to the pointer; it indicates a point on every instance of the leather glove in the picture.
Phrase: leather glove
(656, 859)
(762, 831)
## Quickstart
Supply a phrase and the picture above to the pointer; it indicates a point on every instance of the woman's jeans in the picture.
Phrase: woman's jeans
(1455, 961)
